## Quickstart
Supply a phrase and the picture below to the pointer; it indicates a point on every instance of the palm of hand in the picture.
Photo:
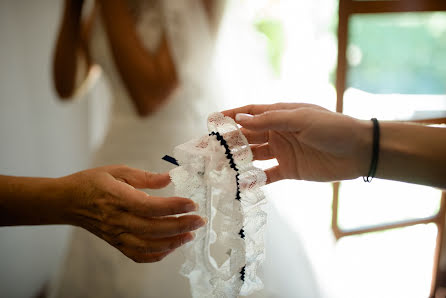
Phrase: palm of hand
(108, 204)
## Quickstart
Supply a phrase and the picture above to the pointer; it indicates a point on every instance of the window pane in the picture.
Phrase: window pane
(395, 263)
(398, 53)
(364, 204)
(397, 71)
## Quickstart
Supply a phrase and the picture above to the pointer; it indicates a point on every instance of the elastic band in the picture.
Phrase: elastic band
(375, 152)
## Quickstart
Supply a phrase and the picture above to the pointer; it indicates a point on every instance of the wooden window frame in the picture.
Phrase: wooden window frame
(347, 8)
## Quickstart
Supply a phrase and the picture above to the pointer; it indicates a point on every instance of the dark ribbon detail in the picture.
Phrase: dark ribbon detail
(242, 274)
(242, 233)
(237, 196)
(230, 159)
(170, 159)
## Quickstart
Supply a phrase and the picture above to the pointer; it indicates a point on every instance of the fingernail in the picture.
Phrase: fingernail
(243, 117)
(199, 222)
(191, 207)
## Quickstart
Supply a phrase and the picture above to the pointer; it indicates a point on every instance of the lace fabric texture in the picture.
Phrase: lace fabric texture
(216, 171)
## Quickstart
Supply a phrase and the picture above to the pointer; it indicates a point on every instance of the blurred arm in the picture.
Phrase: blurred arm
(148, 77)
(71, 64)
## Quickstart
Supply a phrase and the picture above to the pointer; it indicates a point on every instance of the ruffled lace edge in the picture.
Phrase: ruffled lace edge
(245, 233)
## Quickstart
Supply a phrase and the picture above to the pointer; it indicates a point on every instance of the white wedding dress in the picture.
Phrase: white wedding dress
(92, 267)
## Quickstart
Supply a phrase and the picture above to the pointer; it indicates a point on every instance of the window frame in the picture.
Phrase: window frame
(347, 8)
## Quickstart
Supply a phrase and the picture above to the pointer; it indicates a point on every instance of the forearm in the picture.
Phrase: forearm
(68, 49)
(120, 27)
(32, 201)
(412, 153)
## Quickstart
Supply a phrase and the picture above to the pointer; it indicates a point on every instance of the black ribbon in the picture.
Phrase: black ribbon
(237, 197)
(170, 159)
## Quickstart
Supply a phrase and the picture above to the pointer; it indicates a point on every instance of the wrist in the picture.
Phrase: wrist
(65, 200)
(59, 201)
(364, 147)
(49, 204)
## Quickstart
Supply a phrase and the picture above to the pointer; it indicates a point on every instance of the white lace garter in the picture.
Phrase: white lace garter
(216, 171)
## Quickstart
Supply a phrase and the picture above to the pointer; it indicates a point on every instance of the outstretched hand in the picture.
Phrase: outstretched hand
(308, 141)
(106, 202)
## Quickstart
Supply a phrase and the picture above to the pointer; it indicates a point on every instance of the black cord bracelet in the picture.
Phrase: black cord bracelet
(375, 152)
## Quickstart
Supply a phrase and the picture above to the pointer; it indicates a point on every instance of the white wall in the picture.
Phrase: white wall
(39, 136)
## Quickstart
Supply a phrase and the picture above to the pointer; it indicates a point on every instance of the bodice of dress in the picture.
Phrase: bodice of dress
(190, 42)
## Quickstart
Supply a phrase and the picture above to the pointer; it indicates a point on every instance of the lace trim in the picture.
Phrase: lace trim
(213, 171)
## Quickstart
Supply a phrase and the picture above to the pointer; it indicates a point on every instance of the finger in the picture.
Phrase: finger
(273, 174)
(152, 258)
(140, 203)
(140, 257)
(259, 109)
(282, 120)
(155, 245)
(140, 178)
(255, 137)
(250, 109)
(152, 206)
(262, 152)
(154, 228)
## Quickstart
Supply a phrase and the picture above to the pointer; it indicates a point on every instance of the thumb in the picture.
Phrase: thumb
(282, 120)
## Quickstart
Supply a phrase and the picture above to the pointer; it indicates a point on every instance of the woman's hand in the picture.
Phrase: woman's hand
(308, 141)
(105, 201)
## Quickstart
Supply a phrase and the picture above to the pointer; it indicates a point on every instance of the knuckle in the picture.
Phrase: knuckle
(148, 175)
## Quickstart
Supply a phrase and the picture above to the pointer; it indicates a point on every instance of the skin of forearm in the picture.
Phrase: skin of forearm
(122, 34)
(148, 76)
(68, 47)
(412, 153)
(32, 201)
